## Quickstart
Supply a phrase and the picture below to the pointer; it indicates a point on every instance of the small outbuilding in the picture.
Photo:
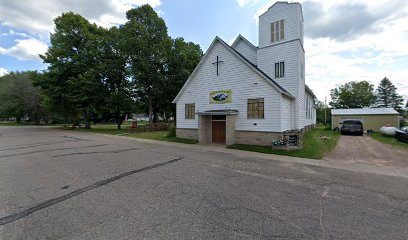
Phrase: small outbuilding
(372, 118)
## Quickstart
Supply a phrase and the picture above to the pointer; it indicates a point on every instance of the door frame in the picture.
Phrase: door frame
(222, 118)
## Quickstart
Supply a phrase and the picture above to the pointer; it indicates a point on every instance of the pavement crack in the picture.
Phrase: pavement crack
(95, 152)
(23, 146)
(50, 150)
(14, 217)
(324, 193)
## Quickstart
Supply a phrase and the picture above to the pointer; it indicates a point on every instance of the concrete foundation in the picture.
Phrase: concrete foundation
(187, 133)
(256, 138)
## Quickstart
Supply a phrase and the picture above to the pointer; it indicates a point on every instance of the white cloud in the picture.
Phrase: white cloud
(38, 18)
(370, 57)
(381, 51)
(231, 41)
(243, 3)
(3, 71)
(11, 32)
(25, 49)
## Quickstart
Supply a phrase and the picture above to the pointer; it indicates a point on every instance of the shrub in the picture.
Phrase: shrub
(172, 131)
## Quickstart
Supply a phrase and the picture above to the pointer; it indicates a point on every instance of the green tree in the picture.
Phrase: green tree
(147, 46)
(19, 98)
(183, 58)
(113, 72)
(353, 94)
(387, 96)
(323, 113)
(71, 82)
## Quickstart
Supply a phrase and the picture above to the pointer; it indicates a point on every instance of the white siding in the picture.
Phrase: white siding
(244, 82)
(290, 12)
(291, 54)
(289, 51)
(310, 117)
(286, 114)
(249, 52)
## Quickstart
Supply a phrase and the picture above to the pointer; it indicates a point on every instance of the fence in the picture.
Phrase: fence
(160, 126)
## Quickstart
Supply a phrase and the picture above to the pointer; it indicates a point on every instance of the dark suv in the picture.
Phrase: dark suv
(352, 127)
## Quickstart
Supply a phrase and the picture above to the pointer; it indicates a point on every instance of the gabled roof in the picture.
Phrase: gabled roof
(239, 38)
(240, 56)
(364, 111)
(310, 91)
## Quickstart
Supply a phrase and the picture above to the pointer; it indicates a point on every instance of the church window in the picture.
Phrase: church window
(282, 30)
(190, 111)
(279, 69)
(255, 108)
(278, 31)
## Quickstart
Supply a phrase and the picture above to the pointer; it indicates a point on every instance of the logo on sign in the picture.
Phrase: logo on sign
(222, 96)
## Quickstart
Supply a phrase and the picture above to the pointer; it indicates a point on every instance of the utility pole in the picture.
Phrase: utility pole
(325, 111)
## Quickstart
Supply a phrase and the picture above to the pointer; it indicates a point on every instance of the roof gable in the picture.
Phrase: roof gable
(243, 59)
(243, 39)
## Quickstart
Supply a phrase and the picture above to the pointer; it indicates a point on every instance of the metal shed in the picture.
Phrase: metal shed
(372, 118)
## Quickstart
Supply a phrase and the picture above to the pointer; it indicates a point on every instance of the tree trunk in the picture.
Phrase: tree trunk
(86, 120)
(174, 111)
(150, 113)
(118, 120)
(18, 119)
(155, 115)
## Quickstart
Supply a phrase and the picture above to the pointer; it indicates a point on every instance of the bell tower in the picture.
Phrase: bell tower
(281, 54)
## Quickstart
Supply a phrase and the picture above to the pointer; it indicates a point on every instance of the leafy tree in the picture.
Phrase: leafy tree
(183, 58)
(386, 95)
(353, 95)
(114, 75)
(19, 98)
(71, 81)
(148, 47)
(322, 113)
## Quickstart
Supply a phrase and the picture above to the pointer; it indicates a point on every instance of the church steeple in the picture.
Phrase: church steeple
(282, 22)
(280, 52)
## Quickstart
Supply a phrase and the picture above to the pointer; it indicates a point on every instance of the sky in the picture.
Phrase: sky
(345, 40)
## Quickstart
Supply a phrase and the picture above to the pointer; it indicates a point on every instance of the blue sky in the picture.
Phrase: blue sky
(345, 40)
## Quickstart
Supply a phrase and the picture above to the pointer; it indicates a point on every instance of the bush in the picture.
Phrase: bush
(172, 131)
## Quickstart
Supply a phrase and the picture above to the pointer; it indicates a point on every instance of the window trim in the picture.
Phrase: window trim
(259, 105)
(280, 69)
(188, 114)
(278, 31)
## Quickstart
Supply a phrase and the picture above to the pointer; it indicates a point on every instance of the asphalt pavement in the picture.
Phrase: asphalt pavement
(57, 184)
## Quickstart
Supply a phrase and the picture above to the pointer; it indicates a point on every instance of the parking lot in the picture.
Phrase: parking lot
(58, 184)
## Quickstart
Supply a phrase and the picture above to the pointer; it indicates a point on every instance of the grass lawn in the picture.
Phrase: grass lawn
(25, 124)
(388, 140)
(112, 129)
(313, 146)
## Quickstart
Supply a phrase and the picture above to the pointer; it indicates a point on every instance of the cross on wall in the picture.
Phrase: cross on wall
(217, 62)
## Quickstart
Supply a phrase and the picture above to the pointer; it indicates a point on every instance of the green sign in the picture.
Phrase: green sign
(221, 96)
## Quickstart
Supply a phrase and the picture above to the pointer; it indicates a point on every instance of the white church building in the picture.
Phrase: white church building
(243, 94)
